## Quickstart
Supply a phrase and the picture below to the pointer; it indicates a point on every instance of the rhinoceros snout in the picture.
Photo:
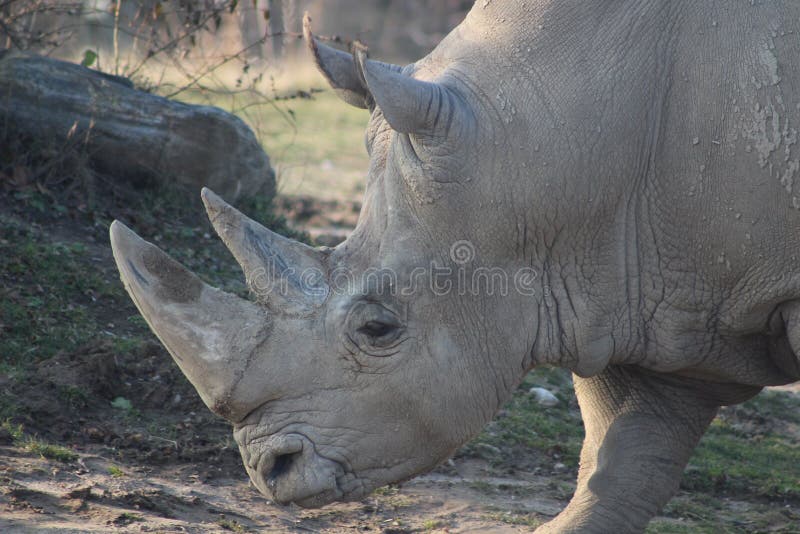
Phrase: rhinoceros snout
(288, 469)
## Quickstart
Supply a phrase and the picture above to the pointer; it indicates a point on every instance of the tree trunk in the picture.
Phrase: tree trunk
(250, 28)
(276, 28)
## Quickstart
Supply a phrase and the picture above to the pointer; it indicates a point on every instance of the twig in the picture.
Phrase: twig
(9, 34)
(194, 29)
(116, 37)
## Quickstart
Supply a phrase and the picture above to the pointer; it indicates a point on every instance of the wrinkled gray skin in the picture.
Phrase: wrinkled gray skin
(639, 156)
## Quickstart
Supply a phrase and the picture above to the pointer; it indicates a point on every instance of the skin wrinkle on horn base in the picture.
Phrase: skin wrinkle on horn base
(639, 160)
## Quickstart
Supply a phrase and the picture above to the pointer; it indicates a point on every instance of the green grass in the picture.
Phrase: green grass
(74, 396)
(55, 296)
(691, 512)
(9, 405)
(14, 430)
(49, 451)
(515, 517)
(116, 472)
(748, 453)
(231, 524)
(555, 432)
(387, 491)
(316, 145)
(737, 458)
(433, 524)
(663, 527)
(50, 289)
(36, 446)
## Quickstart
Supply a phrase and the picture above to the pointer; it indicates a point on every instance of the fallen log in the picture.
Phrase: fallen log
(130, 135)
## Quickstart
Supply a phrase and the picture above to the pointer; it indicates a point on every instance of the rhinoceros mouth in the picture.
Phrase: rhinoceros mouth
(288, 469)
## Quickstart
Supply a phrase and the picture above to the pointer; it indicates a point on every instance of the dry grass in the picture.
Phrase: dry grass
(316, 144)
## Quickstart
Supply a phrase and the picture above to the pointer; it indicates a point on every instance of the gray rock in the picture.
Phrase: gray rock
(130, 135)
(543, 397)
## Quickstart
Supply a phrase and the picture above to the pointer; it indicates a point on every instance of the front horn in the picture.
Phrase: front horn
(212, 335)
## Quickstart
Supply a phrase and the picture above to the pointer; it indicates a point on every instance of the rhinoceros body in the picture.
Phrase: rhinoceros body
(606, 186)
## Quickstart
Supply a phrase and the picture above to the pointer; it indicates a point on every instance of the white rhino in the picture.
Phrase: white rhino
(639, 158)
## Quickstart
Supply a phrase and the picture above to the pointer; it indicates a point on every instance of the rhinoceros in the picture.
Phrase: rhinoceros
(619, 178)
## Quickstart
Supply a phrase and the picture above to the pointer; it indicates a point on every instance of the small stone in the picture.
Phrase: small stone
(696, 141)
(543, 397)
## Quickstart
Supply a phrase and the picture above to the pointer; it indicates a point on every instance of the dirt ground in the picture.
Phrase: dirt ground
(158, 461)
(40, 496)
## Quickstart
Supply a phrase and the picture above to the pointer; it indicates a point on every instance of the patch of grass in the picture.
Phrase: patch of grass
(126, 407)
(37, 446)
(556, 432)
(116, 472)
(734, 457)
(386, 491)
(231, 524)
(52, 287)
(674, 527)
(515, 517)
(701, 512)
(49, 451)
(14, 430)
(316, 145)
(74, 396)
(698, 507)
(391, 497)
(774, 404)
(433, 524)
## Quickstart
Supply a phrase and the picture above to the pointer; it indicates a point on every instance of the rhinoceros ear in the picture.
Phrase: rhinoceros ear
(340, 69)
(409, 105)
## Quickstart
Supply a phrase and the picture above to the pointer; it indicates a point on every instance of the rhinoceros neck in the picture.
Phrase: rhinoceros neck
(580, 129)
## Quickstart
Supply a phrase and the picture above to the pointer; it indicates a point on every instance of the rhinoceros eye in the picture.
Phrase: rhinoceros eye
(376, 329)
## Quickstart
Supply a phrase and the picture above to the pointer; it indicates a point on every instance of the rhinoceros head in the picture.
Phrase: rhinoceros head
(365, 364)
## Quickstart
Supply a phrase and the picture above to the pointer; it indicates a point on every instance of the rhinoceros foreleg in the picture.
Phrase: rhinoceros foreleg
(641, 428)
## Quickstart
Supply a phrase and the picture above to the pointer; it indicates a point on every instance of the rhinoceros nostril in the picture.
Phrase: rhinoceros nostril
(279, 467)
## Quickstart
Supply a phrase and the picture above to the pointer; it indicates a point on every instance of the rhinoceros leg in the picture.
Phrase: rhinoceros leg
(641, 428)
